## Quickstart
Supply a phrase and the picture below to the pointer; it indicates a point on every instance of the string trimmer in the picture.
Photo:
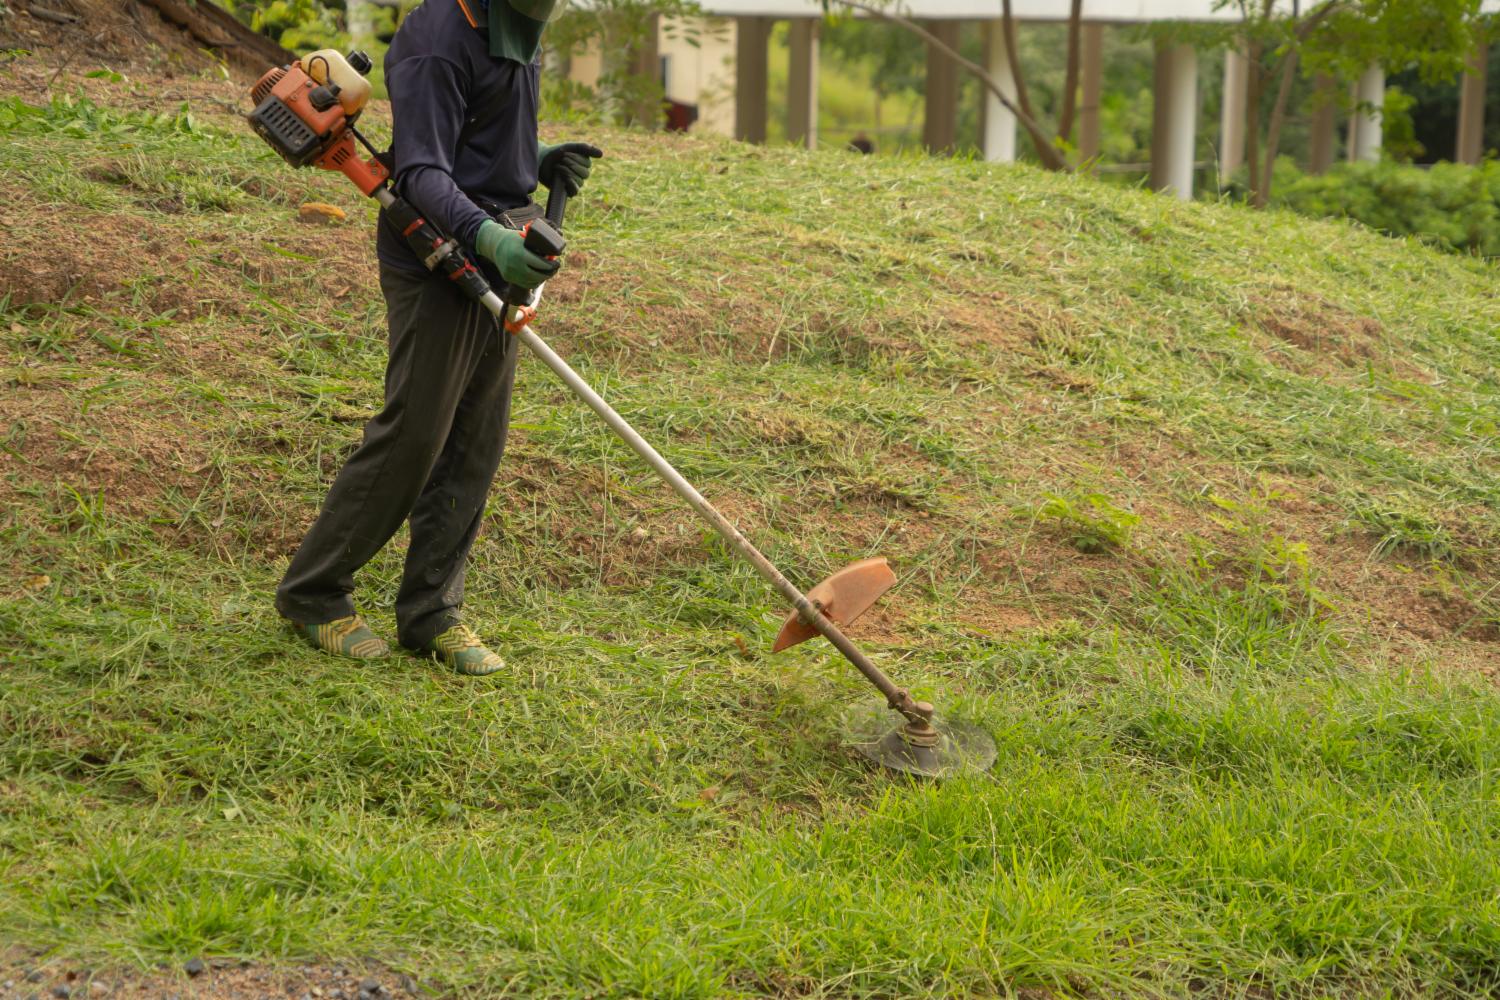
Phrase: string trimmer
(307, 112)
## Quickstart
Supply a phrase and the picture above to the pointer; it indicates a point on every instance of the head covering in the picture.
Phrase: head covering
(516, 26)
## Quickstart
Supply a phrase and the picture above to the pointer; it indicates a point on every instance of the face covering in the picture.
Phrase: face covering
(516, 26)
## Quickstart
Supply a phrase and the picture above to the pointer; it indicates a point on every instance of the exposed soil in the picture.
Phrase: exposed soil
(35, 977)
(1313, 335)
(169, 37)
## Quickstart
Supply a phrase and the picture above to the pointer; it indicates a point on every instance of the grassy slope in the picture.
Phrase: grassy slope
(1247, 740)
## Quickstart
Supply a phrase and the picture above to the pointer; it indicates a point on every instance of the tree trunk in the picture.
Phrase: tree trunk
(1273, 130)
(1046, 150)
(1284, 93)
(1023, 96)
(218, 29)
(1252, 114)
(1070, 79)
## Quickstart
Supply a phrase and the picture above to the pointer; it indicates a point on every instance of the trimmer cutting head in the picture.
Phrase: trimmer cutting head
(942, 749)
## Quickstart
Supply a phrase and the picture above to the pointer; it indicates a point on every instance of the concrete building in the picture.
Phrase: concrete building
(723, 73)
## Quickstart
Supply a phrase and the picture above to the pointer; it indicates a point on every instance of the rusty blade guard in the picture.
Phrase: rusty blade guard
(843, 597)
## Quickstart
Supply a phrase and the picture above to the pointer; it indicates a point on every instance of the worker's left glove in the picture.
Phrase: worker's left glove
(506, 249)
(566, 164)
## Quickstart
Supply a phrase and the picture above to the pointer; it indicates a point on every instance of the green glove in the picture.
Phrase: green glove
(567, 163)
(507, 249)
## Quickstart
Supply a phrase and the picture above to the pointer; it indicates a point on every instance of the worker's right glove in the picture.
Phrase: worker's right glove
(566, 164)
(507, 249)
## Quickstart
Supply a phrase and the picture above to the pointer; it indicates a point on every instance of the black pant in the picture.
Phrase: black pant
(430, 454)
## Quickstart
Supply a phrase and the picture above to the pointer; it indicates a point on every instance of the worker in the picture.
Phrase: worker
(463, 80)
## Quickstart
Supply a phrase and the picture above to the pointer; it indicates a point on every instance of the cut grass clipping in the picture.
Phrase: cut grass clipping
(1195, 509)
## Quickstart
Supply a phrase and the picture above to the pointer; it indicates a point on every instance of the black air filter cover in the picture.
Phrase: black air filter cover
(287, 134)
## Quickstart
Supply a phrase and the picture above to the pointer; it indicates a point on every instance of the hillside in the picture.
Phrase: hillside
(1197, 510)
(167, 38)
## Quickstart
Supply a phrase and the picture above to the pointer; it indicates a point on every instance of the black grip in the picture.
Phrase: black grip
(557, 204)
(544, 240)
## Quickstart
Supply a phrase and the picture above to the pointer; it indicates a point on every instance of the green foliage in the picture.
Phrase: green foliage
(1091, 521)
(1451, 205)
(1404, 528)
(1398, 131)
(895, 60)
(79, 116)
(624, 92)
(1341, 39)
(1432, 37)
(615, 27)
(305, 34)
(1344, 37)
(303, 25)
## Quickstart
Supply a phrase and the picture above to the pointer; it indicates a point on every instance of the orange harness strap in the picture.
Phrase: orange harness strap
(468, 14)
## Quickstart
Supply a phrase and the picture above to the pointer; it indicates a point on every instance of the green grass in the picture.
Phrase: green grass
(1195, 510)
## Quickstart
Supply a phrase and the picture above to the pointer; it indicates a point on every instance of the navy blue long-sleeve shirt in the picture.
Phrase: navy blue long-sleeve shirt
(464, 126)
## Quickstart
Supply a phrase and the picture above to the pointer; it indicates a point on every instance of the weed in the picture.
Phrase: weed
(1091, 521)
(1403, 528)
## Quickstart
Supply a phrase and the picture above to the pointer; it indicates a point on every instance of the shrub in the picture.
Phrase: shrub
(1451, 205)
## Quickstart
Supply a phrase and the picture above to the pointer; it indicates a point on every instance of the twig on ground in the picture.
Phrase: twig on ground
(67, 61)
(56, 17)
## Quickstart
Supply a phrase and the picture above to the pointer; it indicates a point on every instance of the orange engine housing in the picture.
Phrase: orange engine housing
(286, 117)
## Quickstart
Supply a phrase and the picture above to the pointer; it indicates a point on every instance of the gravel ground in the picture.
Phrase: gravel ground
(30, 977)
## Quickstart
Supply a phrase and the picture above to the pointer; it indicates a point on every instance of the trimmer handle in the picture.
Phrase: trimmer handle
(544, 241)
(543, 238)
(557, 204)
(436, 251)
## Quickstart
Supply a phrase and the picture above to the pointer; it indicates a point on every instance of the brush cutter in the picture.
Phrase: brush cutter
(307, 117)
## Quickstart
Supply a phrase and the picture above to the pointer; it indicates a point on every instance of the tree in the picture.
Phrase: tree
(1339, 38)
(300, 25)
(892, 59)
(360, 20)
(624, 32)
(1051, 145)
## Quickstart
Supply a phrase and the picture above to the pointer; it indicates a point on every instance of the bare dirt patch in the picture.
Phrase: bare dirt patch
(169, 37)
(58, 280)
(1326, 337)
(987, 317)
(28, 976)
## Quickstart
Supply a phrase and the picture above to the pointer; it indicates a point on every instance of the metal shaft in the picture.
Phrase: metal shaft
(917, 713)
(898, 698)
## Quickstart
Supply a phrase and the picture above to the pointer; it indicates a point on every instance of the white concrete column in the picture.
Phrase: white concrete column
(802, 82)
(1321, 128)
(752, 37)
(1232, 114)
(1174, 124)
(1471, 106)
(1364, 124)
(998, 128)
(1092, 56)
(360, 18)
(940, 124)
